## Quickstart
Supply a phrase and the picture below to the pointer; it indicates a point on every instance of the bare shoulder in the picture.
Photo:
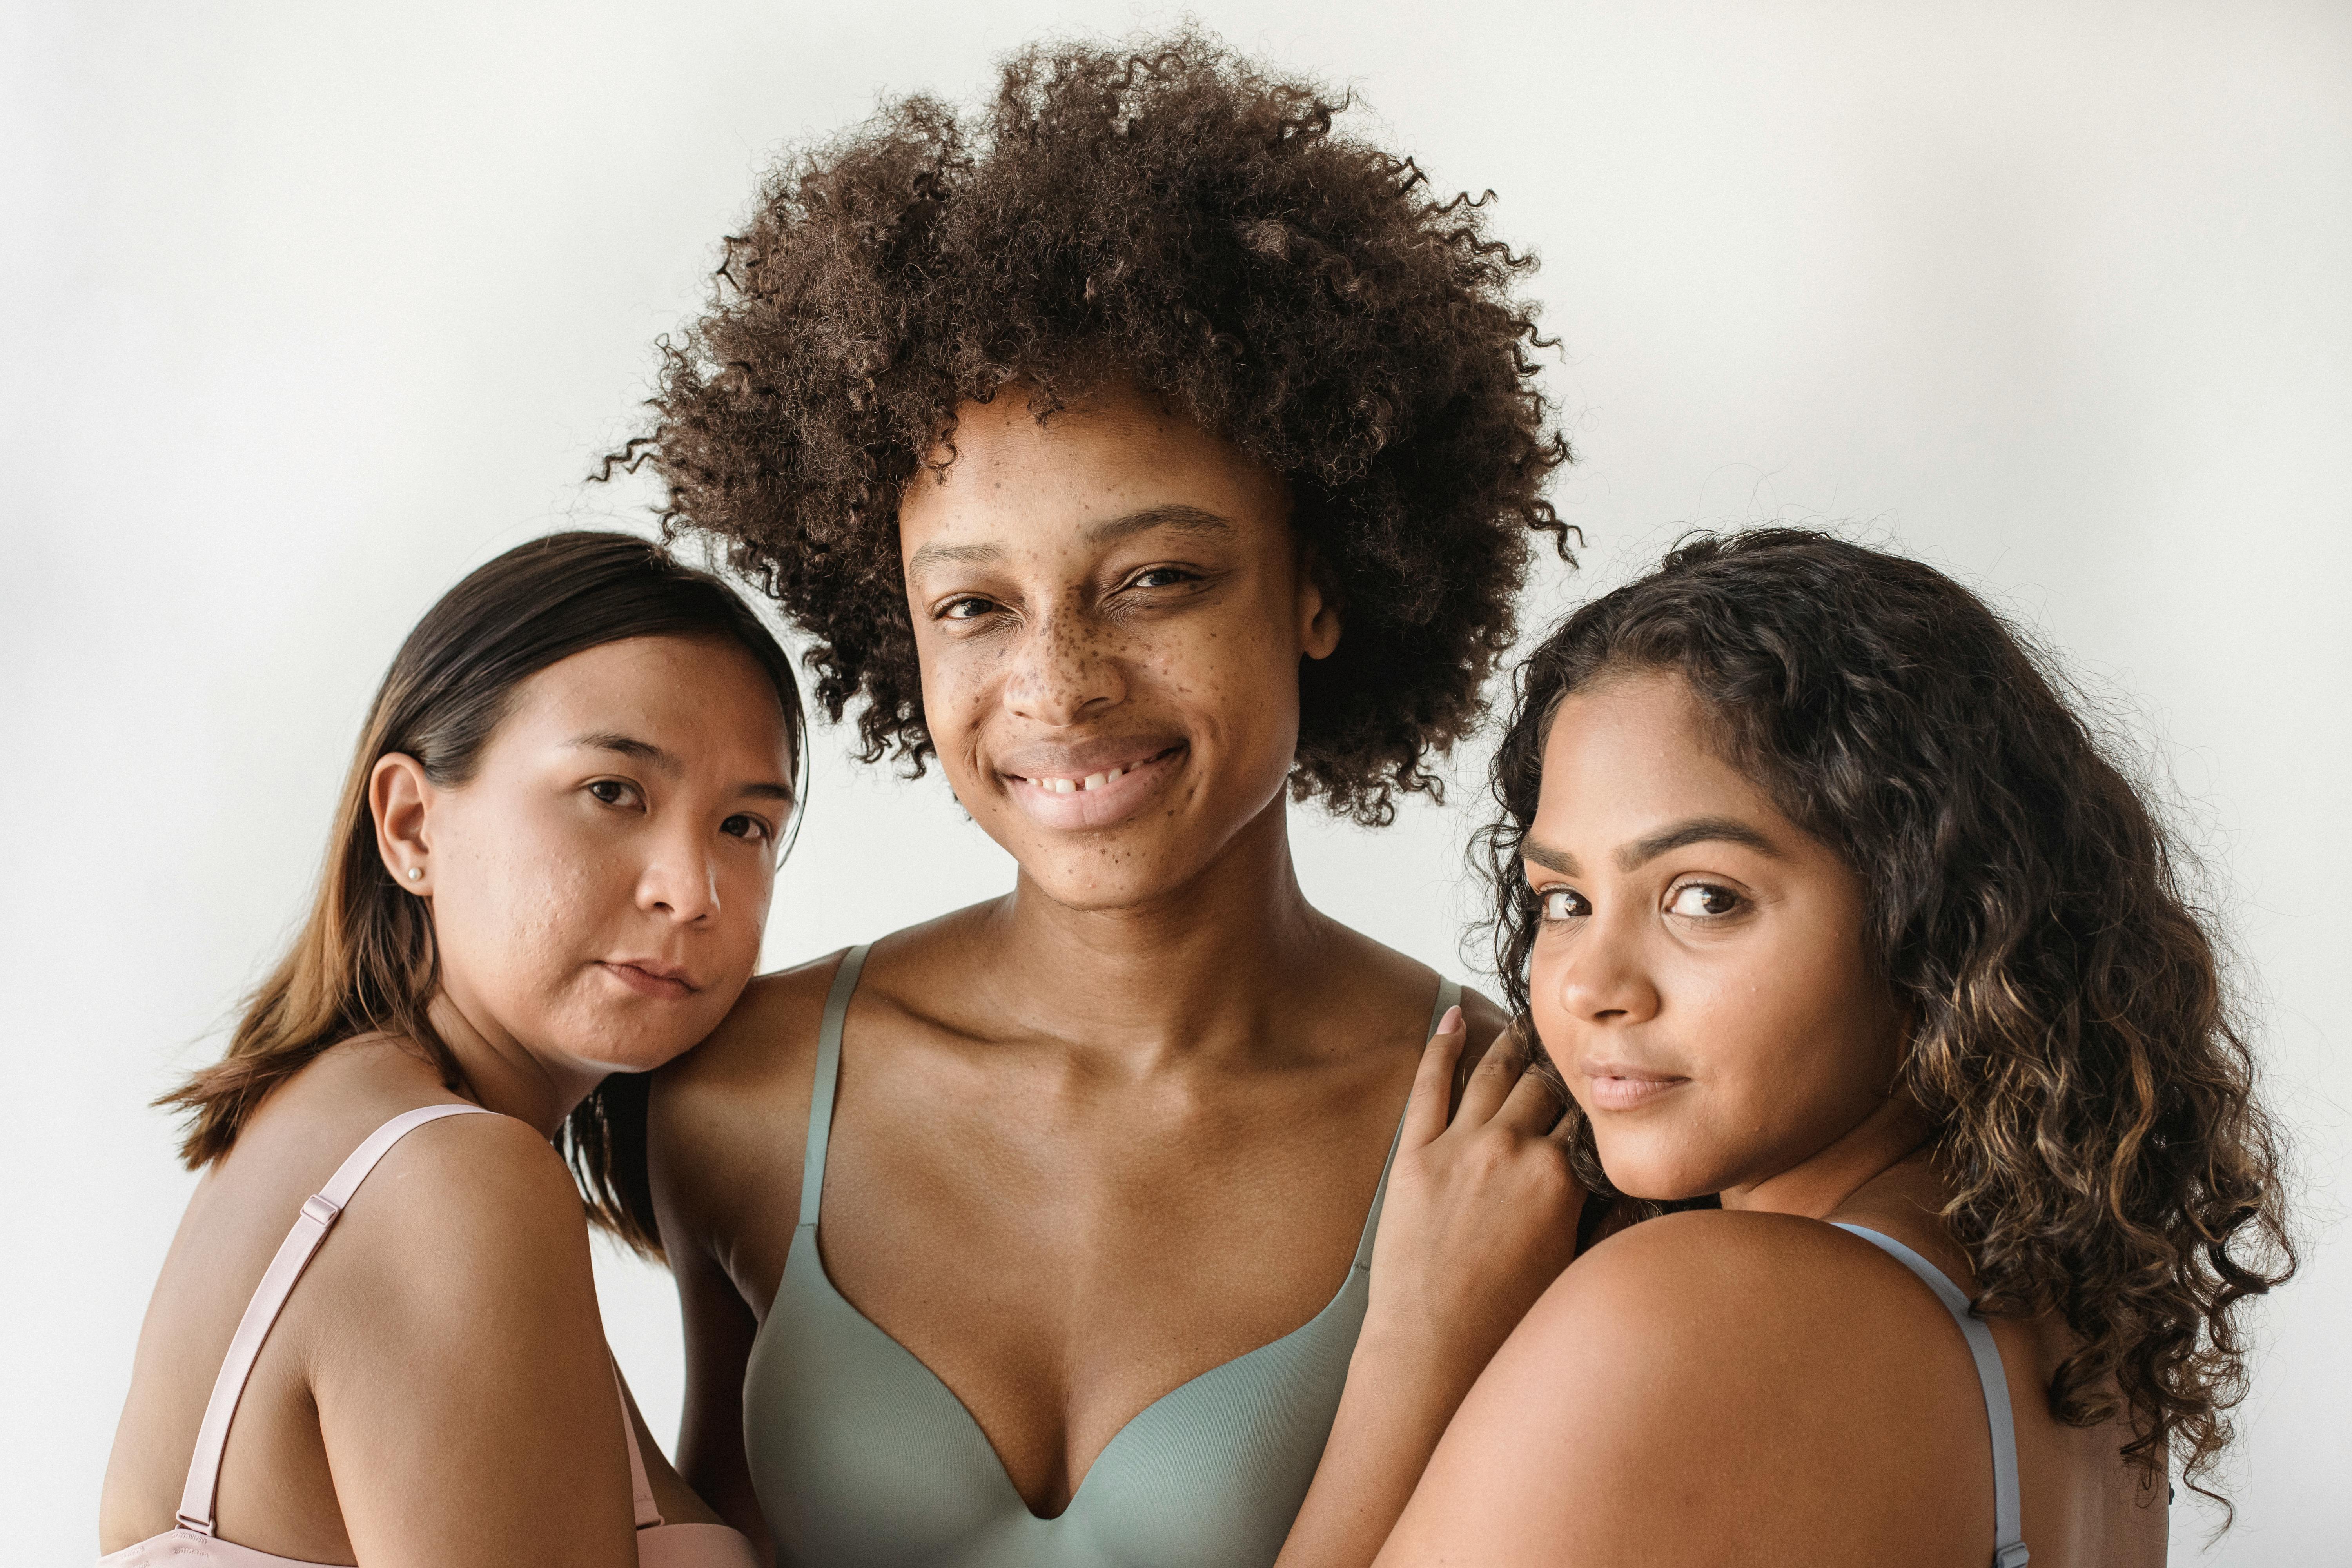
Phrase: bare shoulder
(465, 1245)
(1736, 1278)
(463, 1207)
(1775, 1355)
(727, 1122)
(770, 1031)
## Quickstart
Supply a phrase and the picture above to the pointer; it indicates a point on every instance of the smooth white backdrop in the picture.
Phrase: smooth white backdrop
(305, 311)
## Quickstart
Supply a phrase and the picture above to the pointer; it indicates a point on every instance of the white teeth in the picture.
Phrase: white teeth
(1072, 786)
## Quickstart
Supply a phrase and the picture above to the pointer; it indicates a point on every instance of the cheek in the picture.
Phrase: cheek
(518, 911)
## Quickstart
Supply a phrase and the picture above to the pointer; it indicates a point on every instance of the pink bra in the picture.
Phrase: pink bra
(193, 1543)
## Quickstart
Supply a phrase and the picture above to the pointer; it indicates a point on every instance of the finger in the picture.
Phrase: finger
(1533, 1106)
(1432, 1081)
(1492, 1079)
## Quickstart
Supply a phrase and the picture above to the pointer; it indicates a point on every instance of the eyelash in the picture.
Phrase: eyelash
(611, 785)
(766, 834)
(947, 610)
(763, 831)
(1544, 897)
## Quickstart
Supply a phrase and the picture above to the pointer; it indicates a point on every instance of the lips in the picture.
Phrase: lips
(1626, 1085)
(650, 976)
(1088, 786)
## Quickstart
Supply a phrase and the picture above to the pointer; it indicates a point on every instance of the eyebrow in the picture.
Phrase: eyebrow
(1191, 519)
(668, 764)
(1641, 851)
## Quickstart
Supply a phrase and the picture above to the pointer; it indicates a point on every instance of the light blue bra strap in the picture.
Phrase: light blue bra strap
(828, 1075)
(2009, 1543)
(1449, 995)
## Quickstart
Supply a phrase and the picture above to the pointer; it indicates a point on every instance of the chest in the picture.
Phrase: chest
(1062, 1255)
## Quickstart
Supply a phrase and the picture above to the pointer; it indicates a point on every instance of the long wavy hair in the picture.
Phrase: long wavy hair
(2073, 1039)
(365, 960)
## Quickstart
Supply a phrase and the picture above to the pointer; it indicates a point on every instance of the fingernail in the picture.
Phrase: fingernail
(1451, 1022)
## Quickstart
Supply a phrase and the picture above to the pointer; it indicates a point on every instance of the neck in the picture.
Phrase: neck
(1818, 1187)
(1187, 972)
(501, 1074)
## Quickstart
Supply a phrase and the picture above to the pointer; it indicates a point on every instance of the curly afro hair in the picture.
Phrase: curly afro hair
(1178, 219)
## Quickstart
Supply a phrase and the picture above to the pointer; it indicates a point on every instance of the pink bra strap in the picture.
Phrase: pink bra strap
(320, 1212)
(648, 1512)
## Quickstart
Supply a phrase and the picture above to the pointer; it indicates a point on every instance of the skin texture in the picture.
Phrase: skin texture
(1747, 1385)
(1123, 1124)
(437, 1390)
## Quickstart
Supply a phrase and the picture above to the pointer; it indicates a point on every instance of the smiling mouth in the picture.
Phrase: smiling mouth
(1067, 784)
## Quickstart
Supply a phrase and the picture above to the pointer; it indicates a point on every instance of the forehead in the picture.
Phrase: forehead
(677, 691)
(1010, 478)
(1632, 751)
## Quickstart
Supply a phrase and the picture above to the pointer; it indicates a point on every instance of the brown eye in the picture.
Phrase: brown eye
(748, 827)
(1564, 904)
(1703, 901)
(970, 608)
(610, 791)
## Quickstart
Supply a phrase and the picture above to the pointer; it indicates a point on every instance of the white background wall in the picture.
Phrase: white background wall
(305, 311)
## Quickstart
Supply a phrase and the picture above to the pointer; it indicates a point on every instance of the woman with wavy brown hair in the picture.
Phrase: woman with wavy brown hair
(1823, 900)
(1151, 455)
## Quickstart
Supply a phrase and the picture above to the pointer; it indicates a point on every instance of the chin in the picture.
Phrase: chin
(1657, 1177)
(1104, 877)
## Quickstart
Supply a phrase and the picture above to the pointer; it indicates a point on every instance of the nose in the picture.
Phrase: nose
(680, 880)
(1066, 669)
(1599, 976)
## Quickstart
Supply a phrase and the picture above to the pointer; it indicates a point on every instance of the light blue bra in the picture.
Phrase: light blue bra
(862, 1458)
(2009, 1530)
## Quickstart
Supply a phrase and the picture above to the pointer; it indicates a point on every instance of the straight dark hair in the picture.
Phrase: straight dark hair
(365, 960)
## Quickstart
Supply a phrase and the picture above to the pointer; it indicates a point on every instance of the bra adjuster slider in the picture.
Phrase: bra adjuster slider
(319, 1207)
(201, 1526)
(2014, 1555)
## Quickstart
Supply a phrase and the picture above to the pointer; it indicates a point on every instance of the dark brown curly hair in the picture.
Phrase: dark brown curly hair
(1171, 216)
(2072, 1037)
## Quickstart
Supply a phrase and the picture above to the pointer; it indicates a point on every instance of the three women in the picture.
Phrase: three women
(1153, 457)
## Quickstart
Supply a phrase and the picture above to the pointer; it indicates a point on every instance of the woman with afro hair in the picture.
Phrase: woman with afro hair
(1151, 456)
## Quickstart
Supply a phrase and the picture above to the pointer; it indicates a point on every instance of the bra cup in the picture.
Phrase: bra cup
(1214, 1473)
(862, 1458)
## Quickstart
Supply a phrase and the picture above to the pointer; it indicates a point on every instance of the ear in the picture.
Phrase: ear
(399, 795)
(1320, 621)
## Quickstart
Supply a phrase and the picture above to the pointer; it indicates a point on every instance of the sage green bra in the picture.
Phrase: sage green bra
(862, 1458)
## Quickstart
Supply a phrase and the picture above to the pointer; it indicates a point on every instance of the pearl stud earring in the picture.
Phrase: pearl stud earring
(416, 873)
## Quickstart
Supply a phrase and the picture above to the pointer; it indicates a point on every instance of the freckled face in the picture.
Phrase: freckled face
(1701, 975)
(1109, 611)
(599, 887)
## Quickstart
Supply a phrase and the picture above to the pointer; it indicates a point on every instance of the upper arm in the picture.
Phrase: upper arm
(465, 1394)
(1709, 1388)
(727, 1127)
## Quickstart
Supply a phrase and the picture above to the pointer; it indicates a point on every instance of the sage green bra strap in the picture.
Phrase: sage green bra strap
(1449, 995)
(828, 1075)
